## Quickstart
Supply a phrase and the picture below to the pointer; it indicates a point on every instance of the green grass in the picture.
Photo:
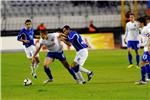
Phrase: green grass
(112, 80)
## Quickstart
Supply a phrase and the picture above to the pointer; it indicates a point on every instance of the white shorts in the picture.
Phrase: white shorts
(30, 51)
(81, 56)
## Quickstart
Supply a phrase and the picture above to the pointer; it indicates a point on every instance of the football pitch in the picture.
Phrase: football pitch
(112, 80)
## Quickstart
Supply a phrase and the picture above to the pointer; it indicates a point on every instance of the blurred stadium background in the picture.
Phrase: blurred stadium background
(107, 16)
(112, 80)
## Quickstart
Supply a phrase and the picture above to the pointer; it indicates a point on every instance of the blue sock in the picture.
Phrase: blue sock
(148, 70)
(143, 73)
(76, 68)
(137, 59)
(48, 72)
(72, 73)
(130, 58)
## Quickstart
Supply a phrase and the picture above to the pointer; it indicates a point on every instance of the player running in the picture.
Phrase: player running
(131, 36)
(52, 42)
(145, 67)
(26, 37)
(72, 37)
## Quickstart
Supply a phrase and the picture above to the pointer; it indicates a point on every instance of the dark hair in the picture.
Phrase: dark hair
(59, 30)
(131, 14)
(148, 18)
(66, 27)
(28, 20)
(142, 20)
(43, 31)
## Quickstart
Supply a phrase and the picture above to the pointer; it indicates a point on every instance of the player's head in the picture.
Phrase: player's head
(43, 34)
(28, 24)
(131, 17)
(148, 19)
(141, 21)
(66, 29)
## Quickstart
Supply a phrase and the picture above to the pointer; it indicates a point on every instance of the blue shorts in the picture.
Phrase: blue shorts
(146, 57)
(57, 55)
(133, 44)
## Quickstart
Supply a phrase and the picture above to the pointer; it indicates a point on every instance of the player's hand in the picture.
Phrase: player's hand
(26, 41)
(63, 37)
(125, 41)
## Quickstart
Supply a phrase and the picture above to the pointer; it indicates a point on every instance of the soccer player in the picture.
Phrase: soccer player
(131, 39)
(145, 67)
(26, 36)
(72, 37)
(55, 51)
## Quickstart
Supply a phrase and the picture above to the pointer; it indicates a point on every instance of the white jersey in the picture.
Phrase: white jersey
(132, 31)
(53, 44)
(145, 33)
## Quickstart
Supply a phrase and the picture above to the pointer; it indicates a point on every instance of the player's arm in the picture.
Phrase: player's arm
(63, 38)
(66, 42)
(36, 52)
(126, 32)
(22, 37)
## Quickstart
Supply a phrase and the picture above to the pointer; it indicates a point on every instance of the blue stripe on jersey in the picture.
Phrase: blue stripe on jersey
(76, 40)
(28, 35)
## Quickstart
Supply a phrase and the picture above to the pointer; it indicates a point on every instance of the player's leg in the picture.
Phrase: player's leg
(129, 46)
(136, 47)
(75, 67)
(137, 58)
(143, 69)
(148, 68)
(47, 70)
(35, 64)
(62, 59)
(143, 75)
(81, 58)
(29, 56)
(37, 60)
(70, 70)
(130, 58)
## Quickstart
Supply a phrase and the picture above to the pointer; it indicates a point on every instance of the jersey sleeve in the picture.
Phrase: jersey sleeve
(56, 34)
(41, 41)
(126, 31)
(144, 32)
(20, 35)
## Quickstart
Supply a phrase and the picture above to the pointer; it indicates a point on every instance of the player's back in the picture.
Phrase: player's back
(52, 43)
(76, 40)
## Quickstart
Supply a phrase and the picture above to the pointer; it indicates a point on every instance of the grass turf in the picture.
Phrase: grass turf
(112, 80)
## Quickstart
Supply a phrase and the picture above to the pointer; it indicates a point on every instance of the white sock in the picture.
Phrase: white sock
(32, 69)
(84, 70)
(79, 75)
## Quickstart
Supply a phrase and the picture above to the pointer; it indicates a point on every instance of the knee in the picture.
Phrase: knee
(45, 66)
(74, 64)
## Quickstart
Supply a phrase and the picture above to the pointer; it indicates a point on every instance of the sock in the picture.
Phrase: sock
(72, 73)
(48, 72)
(148, 70)
(143, 73)
(137, 59)
(80, 77)
(130, 58)
(84, 70)
(76, 68)
(32, 69)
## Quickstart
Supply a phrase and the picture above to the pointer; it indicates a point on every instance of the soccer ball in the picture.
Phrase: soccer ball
(27, 82)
